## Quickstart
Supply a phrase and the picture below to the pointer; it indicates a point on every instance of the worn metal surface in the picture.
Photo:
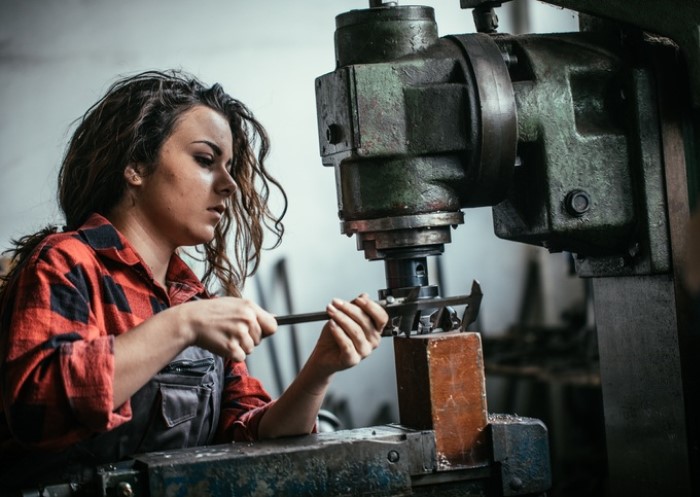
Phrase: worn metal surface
(676, 19)
(415, 235)
(589, 176)
(387, 460)
(376, 461)
(120, 480)
(529, 472)
(488, 179)
(648, 249)
(394, 156)
(642, 381)
(385, 33)
(572, 138)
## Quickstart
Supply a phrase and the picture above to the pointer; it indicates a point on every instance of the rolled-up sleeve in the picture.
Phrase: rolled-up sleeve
(244, 402)
(59, 363)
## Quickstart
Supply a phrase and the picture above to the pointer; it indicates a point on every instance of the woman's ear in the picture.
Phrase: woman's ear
(132, 175)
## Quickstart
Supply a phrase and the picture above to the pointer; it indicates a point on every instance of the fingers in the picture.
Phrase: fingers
(245, 321)
(251, 323)
(349, 318)
(375, 311)
(234, 351)
(265, 320)
(232, 327)
(344, 343)
(362, 321)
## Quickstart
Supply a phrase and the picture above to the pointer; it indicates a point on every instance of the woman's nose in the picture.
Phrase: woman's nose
(226, 185)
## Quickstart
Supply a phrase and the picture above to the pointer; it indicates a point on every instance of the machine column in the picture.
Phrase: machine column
(643, 395)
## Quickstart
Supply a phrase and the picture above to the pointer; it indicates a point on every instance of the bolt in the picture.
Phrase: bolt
(124, 489)
(334, 134)
(634, 249)
(485, 19)
(393, 456)
(516, 483)
(577, 202)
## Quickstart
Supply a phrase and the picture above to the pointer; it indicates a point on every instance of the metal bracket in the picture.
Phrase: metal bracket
(443, 320)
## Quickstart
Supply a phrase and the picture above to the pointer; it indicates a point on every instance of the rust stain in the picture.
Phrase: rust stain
(451, 400)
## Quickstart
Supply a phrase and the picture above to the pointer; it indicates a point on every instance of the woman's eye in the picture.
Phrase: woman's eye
(204, 161)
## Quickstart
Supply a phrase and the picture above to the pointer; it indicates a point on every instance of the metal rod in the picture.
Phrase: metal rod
(302, 318)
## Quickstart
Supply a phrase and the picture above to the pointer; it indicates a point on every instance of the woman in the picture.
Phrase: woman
(110, 345)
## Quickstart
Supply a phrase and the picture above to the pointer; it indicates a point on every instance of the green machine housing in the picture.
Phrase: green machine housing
(582, 142)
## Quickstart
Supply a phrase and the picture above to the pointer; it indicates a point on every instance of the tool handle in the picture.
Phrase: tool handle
(302, 318)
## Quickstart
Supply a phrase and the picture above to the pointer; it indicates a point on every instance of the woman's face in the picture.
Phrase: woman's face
(183, 199)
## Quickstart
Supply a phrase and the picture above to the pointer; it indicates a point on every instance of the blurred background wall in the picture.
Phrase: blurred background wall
(57, 58)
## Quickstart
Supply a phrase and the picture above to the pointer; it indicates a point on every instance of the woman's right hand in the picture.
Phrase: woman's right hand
(230, 327)
(227, 326)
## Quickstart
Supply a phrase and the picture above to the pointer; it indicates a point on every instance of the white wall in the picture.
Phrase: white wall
(57, 58)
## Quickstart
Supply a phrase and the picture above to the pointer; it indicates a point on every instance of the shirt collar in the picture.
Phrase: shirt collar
(109, 243)
(106, 240)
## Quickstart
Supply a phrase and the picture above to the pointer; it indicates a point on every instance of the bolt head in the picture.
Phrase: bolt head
(516, 483)
(577, 202)
(124, 489)
(334, 134)
(393, 456)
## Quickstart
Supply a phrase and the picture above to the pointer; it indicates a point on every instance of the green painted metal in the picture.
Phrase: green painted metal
(675, 19)
(396, 157)
(587, 123)
(424, 133)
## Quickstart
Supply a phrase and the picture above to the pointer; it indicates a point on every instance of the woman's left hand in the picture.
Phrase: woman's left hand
(352, 333)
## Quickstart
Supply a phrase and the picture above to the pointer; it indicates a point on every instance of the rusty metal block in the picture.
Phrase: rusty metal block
(441, 387)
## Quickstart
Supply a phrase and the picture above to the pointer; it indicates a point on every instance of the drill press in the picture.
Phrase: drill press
(582, 142)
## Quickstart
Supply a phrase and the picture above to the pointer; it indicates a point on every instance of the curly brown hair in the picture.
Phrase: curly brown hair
(129, 124)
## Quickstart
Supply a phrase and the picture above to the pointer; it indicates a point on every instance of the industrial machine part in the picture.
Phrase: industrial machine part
(414, 313)
(583, 142)
(379, 461)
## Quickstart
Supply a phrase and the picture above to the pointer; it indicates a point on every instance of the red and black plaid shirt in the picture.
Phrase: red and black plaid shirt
(75, 293)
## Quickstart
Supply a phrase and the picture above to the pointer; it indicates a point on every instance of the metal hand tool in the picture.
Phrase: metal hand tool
(410, 305)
